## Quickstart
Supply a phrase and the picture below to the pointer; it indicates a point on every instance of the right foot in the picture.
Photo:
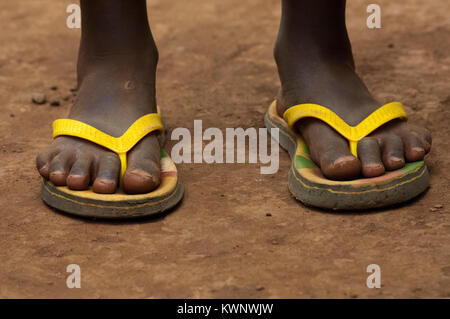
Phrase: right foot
(116, 87)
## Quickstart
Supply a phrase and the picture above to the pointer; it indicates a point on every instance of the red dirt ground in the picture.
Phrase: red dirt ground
(216, 65)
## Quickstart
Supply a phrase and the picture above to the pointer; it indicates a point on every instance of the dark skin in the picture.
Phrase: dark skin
(315, 65)
(116, 81)
(116, 85)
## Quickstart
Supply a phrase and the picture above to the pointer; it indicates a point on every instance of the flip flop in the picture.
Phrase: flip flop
(308, 184)
(118, 205)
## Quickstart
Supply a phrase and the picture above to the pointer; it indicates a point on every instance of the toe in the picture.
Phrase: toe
(424, 136)
(336, 162)
(80, 173)
(43, 161)
(139, 181)
(143, 171)
(108, 174)
(329, 150)
(392, 152)
(344, 167)
(370, 156)
(413, 147)
(60, 167)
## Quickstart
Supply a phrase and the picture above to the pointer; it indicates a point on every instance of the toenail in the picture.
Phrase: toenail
(105, 182)
(418, 149)
(57, 173)
(343, 160)
(373, 165)
(77, 177)
(142, 177)
(44, 167)
(142, 174)
(396, 159)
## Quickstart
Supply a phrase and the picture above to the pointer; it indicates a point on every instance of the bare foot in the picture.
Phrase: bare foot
(116, 76)
(315, 65)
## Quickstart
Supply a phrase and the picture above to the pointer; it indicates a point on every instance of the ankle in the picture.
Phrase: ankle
(115, 33)
(108, 25)
(296, 50)
(126, 61)
(312, 33)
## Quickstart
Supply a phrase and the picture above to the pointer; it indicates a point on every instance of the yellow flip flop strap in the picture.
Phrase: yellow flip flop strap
(384, 114)
(120, 145)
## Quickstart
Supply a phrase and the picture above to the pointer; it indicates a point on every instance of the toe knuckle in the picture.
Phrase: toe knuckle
(396, 139)
(40, 160)
(428, 136)
(55, 164)
(370, 139)
(111, 158)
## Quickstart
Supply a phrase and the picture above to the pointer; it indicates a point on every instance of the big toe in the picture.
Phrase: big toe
(330, 151)
(340, 165)
(139, 181)
(143, 171)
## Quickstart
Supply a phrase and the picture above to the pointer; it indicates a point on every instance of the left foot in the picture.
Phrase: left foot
(315, 65)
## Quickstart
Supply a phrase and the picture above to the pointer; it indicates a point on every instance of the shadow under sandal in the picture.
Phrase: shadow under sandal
(308, 184)
(119, 205)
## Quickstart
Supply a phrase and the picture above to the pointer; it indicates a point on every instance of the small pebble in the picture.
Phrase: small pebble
(433, 209)
(261, 288)
(54, 88)
(222, 195)
(269, 214)
(390, 45)
(11, 115)
(274, 242)
(67, 98)
(55, 103)
(438, 206)
(38, 98)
